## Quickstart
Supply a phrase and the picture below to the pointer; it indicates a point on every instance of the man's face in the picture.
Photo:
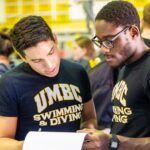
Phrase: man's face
(122, 49)
(44, 58)
(78, 52)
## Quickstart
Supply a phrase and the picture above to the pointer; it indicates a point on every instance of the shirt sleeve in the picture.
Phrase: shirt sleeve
(8, 102)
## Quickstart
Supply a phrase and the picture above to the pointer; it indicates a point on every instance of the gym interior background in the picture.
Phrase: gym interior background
(66, 17)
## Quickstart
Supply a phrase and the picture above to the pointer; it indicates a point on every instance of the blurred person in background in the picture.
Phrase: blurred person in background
(87, 6)
(6, 49)
(88, 9)
(13, 57)
(102, 79)
(83, 51)
(145, 24)
(44, 93)
(101, 76)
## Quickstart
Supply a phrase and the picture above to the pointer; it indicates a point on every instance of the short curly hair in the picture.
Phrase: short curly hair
(120, 13)
(28, 32)
(146, 13)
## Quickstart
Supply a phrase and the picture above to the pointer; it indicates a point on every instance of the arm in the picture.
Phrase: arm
(89, 115)
(7, 133)
(134, 143)
(100, 141)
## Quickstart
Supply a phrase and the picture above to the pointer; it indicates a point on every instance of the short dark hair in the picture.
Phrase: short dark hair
(28, 32)
(146, 13)
(119, 13)
(6, 48)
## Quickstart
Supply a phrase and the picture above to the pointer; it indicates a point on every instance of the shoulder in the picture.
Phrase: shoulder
(3, 68)
(146, 61)
(71, 66)
(101, 71)
(139, 68)
(143, 63)
(11, 74)
(146, 65)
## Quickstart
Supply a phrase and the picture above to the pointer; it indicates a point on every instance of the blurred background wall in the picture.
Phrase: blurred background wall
(66, 17)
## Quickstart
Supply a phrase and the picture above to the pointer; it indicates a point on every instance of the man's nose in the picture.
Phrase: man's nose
(48, 63)
(104, 50)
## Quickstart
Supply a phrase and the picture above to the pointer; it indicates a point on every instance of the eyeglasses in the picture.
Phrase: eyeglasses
(108, 43)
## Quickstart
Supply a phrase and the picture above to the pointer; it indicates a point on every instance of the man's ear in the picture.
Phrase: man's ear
(23, 58)
(134, 31)
(55, 38)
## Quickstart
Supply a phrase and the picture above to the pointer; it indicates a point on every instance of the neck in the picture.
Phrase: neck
(138, 53)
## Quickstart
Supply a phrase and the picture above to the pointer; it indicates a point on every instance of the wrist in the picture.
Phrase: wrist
(114, 142)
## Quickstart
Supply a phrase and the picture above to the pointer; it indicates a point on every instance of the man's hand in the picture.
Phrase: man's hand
(95, 140)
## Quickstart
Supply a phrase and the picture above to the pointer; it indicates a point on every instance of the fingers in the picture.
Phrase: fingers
(86, 130)
(91, 134)
(91, 145)
(95, 139)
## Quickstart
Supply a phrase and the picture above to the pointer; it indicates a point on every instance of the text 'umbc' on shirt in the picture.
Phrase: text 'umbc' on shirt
(60, 92)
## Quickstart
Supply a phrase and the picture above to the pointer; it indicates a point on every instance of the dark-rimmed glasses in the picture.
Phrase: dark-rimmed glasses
(108, 43)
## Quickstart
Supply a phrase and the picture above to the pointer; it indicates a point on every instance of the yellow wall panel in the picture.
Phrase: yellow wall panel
(28, 1)
(62, 18)
(44, 7)
(7, 1)
(62, 7)
(11, 21)
(28, 9)
(55, 12)
(48, 19)
(11, 9)
(140, 3)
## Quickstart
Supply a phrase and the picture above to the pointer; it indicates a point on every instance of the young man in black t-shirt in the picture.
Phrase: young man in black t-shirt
(45, 93)
(118, 35)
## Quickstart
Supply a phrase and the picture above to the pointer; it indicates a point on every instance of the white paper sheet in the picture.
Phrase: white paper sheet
(53, 141)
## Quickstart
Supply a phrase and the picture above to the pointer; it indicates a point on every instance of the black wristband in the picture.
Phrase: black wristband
(114, 142)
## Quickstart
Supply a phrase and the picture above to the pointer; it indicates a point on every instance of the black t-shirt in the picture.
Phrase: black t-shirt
(102, 82)
(131, 98)
(3, 68)
(147, 42)
(45, 103)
